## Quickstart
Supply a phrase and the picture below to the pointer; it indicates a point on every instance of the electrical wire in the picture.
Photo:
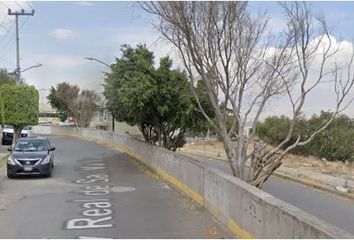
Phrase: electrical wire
(29, 4)
(5, 49)
(5, 5)
(7, 32)
(3, 21)
(18, 5)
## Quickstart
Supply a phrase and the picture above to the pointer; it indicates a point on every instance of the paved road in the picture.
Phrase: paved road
(335, 210)
(98, 192)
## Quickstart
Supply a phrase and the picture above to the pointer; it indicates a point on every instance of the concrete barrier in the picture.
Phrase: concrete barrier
(42, 129)
(246, 211)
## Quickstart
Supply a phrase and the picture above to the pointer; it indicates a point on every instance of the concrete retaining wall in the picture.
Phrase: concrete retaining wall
(245, 210)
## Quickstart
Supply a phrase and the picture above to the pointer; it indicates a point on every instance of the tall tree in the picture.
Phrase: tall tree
(157, 100)
(69, 101)
(244, 66)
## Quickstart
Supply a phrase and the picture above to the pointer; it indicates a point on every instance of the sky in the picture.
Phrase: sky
(61, 34)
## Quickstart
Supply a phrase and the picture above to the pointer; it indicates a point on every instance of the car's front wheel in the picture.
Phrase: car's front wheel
(49, 173)
(9, 175)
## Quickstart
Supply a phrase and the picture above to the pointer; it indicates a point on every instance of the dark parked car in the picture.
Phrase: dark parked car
(31, 156)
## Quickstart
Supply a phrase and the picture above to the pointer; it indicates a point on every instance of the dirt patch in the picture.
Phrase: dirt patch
(215, 149)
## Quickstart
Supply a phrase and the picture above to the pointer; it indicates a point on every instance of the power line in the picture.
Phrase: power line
(29, 4)
(5, 5)
(18, 14)
(3, 21)
(4, 48)
(13, 36)
(7, 32)
(18, 4)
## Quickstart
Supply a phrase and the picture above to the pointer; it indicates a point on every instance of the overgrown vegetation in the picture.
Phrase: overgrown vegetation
(334, 143)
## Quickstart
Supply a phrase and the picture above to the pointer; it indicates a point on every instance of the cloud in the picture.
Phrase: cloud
(84, 3)
(63, 33)
(323, 96)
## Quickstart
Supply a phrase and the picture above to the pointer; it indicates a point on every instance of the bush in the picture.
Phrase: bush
(19, 106)
(334, 143)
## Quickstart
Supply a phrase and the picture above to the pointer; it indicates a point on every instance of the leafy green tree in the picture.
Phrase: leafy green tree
(19, 106)
(158, 100)
(60, 97)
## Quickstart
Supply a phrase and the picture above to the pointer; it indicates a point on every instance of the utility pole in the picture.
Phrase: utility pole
(17, 14)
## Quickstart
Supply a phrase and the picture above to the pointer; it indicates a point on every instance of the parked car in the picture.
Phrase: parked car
(8, 134)
(31, 156)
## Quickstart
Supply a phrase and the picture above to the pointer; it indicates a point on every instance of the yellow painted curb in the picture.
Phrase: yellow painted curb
(237, 230)
(181, 186)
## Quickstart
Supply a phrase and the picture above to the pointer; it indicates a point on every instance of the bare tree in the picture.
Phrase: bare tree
(80, 105)
(84, 107)
(244, 66)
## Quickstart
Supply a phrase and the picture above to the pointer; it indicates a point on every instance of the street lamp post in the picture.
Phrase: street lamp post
(109, 66)
(18, 74)
(35, 66)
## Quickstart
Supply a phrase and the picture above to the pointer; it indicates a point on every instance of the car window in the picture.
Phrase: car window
(33, 145)
(9, 126)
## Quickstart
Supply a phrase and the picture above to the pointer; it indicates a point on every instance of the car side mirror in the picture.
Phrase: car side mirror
(9, 149)
(52, 149)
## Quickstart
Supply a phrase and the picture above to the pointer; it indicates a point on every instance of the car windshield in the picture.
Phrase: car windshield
(9, 127)
(32, 145)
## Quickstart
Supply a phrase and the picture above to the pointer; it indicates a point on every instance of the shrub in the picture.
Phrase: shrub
(334, 143)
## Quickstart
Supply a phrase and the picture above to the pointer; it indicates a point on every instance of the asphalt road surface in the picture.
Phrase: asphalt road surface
(96, 191)
(331, 208)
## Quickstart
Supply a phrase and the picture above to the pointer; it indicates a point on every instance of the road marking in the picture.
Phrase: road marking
(97, 212)
(122, 189)
(83, 237)
(85, 223)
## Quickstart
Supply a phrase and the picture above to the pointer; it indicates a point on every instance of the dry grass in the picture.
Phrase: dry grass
(337, 168)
